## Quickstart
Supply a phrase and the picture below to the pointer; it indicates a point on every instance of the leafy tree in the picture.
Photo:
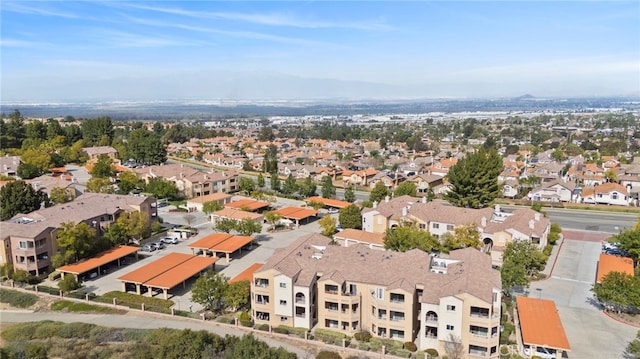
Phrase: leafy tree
(75, 241)
(464, 236)
(315, 205)
(99, 185)
(28, 171)
(68, 283)
(38, 158)
(162, 188)
(629, 240)
(19, 197)
(290, 186)
(379, 193)
(59, 195)
(474, 179)
(260, 180)
(93, 130)
(620, 291)
(328, 225)
(116, 234)
(238, 294)
(128, 181)
(307, 187)
(454, 347)
(349, 195)
(146, 147)
(328, 189)
(103, 168)
(350, 217)
(521, 260)
(554, 233)
(36, 130)
(54, 129)
(225, 225)
(13, 131)
(407, 236)
(246, 185)
(247, 227)
(135, 224)
(633, 348)
(406, 189)
(275, 182)
(212, 206)
(209, 291)
(272, 217)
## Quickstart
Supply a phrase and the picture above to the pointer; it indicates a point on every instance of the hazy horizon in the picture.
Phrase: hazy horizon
(145, 51)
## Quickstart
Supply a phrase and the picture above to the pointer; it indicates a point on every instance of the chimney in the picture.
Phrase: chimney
(532, 224)
(375, 204)
(483, 222)
(405, 210)
(497, 208)
(536, 216)
(424, 199)
(386, 199)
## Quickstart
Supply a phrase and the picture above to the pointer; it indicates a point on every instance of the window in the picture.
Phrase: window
(435, 225)
(449, 227)
(283, 285)
(283, 302)
(396, 334)
(380, 293)
(450, 327)
(451, 308)
(422, 226)
(614, 195)
(283, 319)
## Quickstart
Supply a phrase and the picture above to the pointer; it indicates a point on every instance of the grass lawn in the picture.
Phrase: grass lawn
(68, 306)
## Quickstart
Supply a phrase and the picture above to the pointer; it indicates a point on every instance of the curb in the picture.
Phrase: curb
(619, 320)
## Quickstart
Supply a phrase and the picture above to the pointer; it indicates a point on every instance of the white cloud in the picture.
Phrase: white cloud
(22, 9)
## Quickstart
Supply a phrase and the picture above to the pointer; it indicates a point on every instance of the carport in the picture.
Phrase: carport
(329, 202)
(246, 274)
(209, 241)
(296, 214)
(250, 205)
(223, 243)
(171, 269)
(97, 262)
(540, 325)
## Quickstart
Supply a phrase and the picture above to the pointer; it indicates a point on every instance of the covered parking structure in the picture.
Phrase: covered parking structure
(540, 327)
(329, 202)
(96, 264)
(167, 272)
(296, 214)
(236, 215)
(221, 243)
(246, 274)
(250, 205)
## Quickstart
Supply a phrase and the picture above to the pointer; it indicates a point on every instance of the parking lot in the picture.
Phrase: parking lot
(266, 244)
(591, 333)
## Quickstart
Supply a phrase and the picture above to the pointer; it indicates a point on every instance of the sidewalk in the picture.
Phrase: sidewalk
(553, 257)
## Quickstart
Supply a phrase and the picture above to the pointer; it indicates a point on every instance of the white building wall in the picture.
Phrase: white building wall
(367, 221)
(450, 317)
(283, 297)
(305, 321)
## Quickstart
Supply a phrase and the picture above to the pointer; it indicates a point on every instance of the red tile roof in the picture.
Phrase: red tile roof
(247, 274)
(609, 263)
(99, 260)
(296, 213)
(329, 202)
(540, 323)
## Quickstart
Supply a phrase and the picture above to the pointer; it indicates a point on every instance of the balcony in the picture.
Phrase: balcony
(479, 334)
(482, 313)
(261, 283)
(300, 301)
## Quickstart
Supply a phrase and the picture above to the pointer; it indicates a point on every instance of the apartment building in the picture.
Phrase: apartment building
(496, 227)
(409, 296)
(192, 182)
(30, 240)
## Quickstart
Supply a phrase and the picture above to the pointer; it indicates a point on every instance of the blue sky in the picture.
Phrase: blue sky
(141, 50)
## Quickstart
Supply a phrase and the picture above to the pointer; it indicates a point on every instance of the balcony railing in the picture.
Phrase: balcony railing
(331, 309)
(300, 315)
(300, 301)
(480, 334)
(396, 319)
(480, 315)
(263, 302)
(432, 319)
(329, 291)
(262, 284)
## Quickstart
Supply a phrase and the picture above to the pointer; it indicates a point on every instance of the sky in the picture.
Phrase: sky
(300, 50)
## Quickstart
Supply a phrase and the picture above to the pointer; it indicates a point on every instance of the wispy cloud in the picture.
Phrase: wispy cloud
(272, 19)
(240, 34)
(33, 10)
(19, 43)
(129, 40)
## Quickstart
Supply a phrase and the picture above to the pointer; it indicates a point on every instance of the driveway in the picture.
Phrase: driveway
(591, 333)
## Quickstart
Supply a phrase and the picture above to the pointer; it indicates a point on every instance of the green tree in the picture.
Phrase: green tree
(99, 185)
(104, 167)
(290, 186)
(521, 260)
(247, 227)
(54, 129)
(116, 234)
(246, 185)
(38, 158)
(315, 205)
(328, 189)
(260, 180)
(136, 224)
(209, 291)
(406, 189)
(464, 236)
(162, 188)
(407, 236)
(225, 225)
(307, 187)
(94, 129)
(28, 171)
(75, 241)
(272, 217)
(13, 131)
(275, 182)
(59, 195)
(619, 291)
(474, 179)
(68, 283)
(328, 225)
(633, 348)
(629, 240)
(19, 197)
(350, 217)
(212, 206)
(237, 295)
(146, 147)
(554, 233)
(379, 193)
(128, 181)
(349, 195)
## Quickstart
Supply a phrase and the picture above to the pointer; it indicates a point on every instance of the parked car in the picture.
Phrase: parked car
(158, 245)
(332, 210)
(148, 248)
(617, 252)
(170, 240)
(545, 353)
(608, 246)
(339, 228)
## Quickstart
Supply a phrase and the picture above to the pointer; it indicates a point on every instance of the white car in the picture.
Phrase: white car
(170, 240)
(545, 353)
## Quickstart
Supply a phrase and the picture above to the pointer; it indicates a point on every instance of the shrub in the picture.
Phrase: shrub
(362, 336)
(504, 350)
(22, 276)
(547, 250)
(263, 327)
(68, 283)
(410, 346)
(363, 346)
(54, 275)
(17, 299)
(404, 353)
(325, 354)
(281, 330)
(432, 353)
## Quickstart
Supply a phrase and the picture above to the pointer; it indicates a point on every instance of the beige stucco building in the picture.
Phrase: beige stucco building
(409, 296)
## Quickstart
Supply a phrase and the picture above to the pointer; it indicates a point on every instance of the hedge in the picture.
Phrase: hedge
(17, 299)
